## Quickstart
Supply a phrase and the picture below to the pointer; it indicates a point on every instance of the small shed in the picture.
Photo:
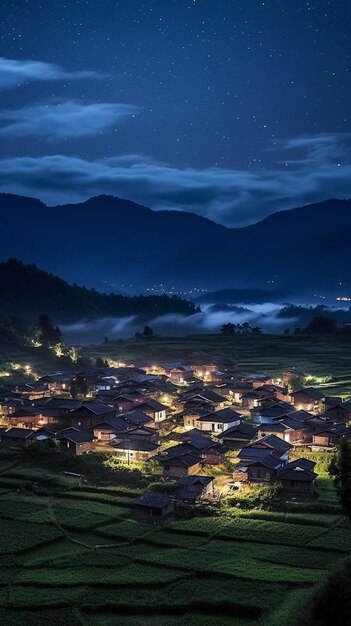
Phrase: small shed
(298, 477)
(193, 488)
(76, 441)
(153, 506)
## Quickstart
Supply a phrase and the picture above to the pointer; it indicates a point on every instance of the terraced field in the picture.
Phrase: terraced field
(76, 555)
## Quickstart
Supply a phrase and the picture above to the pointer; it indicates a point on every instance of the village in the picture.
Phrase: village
(190, 419)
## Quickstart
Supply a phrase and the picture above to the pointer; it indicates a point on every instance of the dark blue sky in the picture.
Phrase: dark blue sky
(231, 109)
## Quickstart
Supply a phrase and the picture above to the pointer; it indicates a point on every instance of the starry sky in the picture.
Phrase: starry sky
(231, 109)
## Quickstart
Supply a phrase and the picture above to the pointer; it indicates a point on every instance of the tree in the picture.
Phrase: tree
(81, 384)
(148, 332)
(295, 384)
(49, 334)
(257, 330)
(321, 324)
(246, 328)
(228, 329)
(73, 390)
(99, 363)
(340, 469)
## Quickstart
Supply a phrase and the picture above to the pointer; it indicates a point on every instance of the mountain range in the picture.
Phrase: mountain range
(117, 245)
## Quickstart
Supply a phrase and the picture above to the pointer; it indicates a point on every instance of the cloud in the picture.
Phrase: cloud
(207, 321)
(14, 73)
(229, 196)
(63, 119)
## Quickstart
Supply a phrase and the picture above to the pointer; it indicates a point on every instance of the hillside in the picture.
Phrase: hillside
(114, 244)
(27, 292)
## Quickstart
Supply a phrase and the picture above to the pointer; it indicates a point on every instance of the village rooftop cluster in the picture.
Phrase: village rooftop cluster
(190, 418)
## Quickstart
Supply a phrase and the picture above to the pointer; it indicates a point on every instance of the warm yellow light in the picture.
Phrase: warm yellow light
(58, 350)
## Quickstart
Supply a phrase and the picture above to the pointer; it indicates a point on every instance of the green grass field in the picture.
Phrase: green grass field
(78, 556)
(317, 355)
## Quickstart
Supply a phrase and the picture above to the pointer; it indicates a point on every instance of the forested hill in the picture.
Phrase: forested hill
(27, 291)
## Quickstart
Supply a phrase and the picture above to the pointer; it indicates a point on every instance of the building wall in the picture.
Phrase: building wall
(134, 455)
(180, 471)
(259, 474)
(190, 422)
(216, 427)
(319, 440)
(150, 514)
(236, 444)
(298, 486)
(76, 448)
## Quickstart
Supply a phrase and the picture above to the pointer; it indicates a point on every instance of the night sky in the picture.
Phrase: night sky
(232, 109)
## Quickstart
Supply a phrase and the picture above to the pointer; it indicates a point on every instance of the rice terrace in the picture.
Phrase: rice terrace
(75, 554)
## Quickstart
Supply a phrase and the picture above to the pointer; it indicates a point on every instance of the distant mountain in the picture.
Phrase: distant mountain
(27, 292)
(109, 243)
(248, 296)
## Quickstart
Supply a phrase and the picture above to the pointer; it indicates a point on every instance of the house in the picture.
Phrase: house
(194, 488)
(218, 421)
(214, 455)
(103, 383)
(281, 393)
(90, 413)
(56, 383)
(109, 428)
(264, 469)
(210, 452)
(288, 429)
(298, 477)
(340, 412)
(238, 436)
(153, 506)
(301, 416)
(329, 438)
(261, 460)
(188, 435)
(45, 433)
(269, 444)
(154, 409)
(180, 374)
(205, 372)
(135, 449)
(138, 417)
(16, 437)
(191, 415)
(237, 390)
(23, 418)
(257, 380)
(120, 401)
(75, 441)
(182, 465)
(59, 407)
(253, 398)
(201, 397)
(32, 392)
(12, 404)
(270, 411)
(308, 399)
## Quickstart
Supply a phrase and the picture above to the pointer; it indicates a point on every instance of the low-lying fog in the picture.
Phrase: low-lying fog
(266, 316)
